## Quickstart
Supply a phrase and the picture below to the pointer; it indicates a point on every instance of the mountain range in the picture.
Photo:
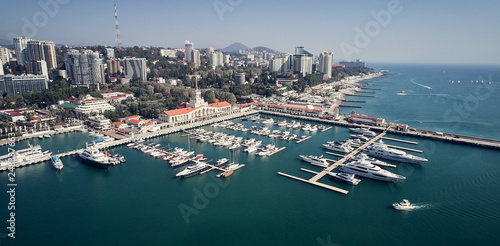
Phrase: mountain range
(235, 47)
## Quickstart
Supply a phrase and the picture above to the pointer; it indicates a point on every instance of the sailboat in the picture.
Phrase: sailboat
(230, 167)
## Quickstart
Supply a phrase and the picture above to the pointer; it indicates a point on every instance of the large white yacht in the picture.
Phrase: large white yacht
(22, 157)
(340, 147)
(363, 168)
(364, 131)
(383, 151)
(93, 157)
(192, 169)
(315, 160)
(363, 156)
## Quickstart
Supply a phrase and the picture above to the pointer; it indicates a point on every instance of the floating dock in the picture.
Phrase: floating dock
(326, 129)
(315, 178)
(304, 139)
(399, 140)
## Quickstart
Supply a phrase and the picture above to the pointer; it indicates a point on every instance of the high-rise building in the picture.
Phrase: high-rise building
(110, 53)
(302, 61)
(1, 68)
(196, 58)
(42, 50)
(210, 50)
(135, 67)
(227, 58)
(216, 58)
(84, 67)
(189, 50)
(12, 84)
(37, 67)
(281, 63)
(4, 55)
(325, 64)
(21, 45)
(114, 66)
(49, 50)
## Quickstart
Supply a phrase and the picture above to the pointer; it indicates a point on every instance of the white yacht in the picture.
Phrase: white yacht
(365, 169)
(403, 205)
(313, 128)
(56, 162)
(22, 157)
(268, 121)
(250, 149)
(307, 127)
(282, 123)
(345, 177)
(315, 160)
(194, 168)
(360, 137)
(364, 131)
(383, 151)
(363, 156)
(340, 147)
(221, 162)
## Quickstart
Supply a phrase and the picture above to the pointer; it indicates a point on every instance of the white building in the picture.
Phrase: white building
(113, 97)
(239, 78)
(21, 45)
(110, 53)
(196, 58)
(168, 53)
(325, 64)
(42, 50)
(97, 106)
(11, 84)
(1, 68)
(4, 55)
(99, 122)
(135, 67)
(189, 50)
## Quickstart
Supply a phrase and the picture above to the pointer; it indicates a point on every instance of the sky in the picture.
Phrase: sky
(407, 31)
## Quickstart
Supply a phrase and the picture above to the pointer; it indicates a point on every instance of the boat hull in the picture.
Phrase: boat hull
(93, 163)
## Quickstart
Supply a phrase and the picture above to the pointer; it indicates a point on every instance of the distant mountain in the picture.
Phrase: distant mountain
(235, 47)
(5, 42)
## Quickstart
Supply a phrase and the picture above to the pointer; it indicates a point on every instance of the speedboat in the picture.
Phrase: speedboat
(315, 160)
(365, 169)
(345, 177)
(403, 205)
(381, 150)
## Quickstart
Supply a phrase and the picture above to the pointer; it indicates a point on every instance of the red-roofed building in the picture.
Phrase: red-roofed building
(119, 125)
(135, 122)
(366, 120)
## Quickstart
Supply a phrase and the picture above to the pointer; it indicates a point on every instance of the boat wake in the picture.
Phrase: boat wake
(425, 86)
(417, 206)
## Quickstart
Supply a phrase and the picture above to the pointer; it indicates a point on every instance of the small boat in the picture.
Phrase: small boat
(403, 205)
(47, 135)
(227, 173)
(56, 162)
(221, 162)
(345, 177)
(402, 93)
(40, 137)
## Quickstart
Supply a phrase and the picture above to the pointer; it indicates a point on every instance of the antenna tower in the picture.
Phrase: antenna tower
(117, 32)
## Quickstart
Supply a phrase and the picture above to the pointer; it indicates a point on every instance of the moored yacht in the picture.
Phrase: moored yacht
(345, 177)
(363, 131)
(364, 169)
(315, 160)
(383, 151)
(340, 147)
(93, 157)
(194, 168)
(56, 162)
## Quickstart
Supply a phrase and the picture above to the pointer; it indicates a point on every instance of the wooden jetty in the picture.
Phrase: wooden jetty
(399, 140)
(326, 129)
(403, 148)
(276, 151)
(330, 153)
(304, 139)
(315, 178)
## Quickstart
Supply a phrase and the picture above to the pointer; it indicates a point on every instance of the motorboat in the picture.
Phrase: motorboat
(403, 205)
(363, 131)
(56, 162)
(315, 160)
(339, 147)
(345, 177)
(365, 169)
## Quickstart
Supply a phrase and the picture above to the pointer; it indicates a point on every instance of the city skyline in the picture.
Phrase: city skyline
(388, 31)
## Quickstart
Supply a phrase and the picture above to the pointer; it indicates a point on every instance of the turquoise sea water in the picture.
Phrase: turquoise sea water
(138, 202)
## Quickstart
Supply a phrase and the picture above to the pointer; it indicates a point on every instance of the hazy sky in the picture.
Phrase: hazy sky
(418, 31)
